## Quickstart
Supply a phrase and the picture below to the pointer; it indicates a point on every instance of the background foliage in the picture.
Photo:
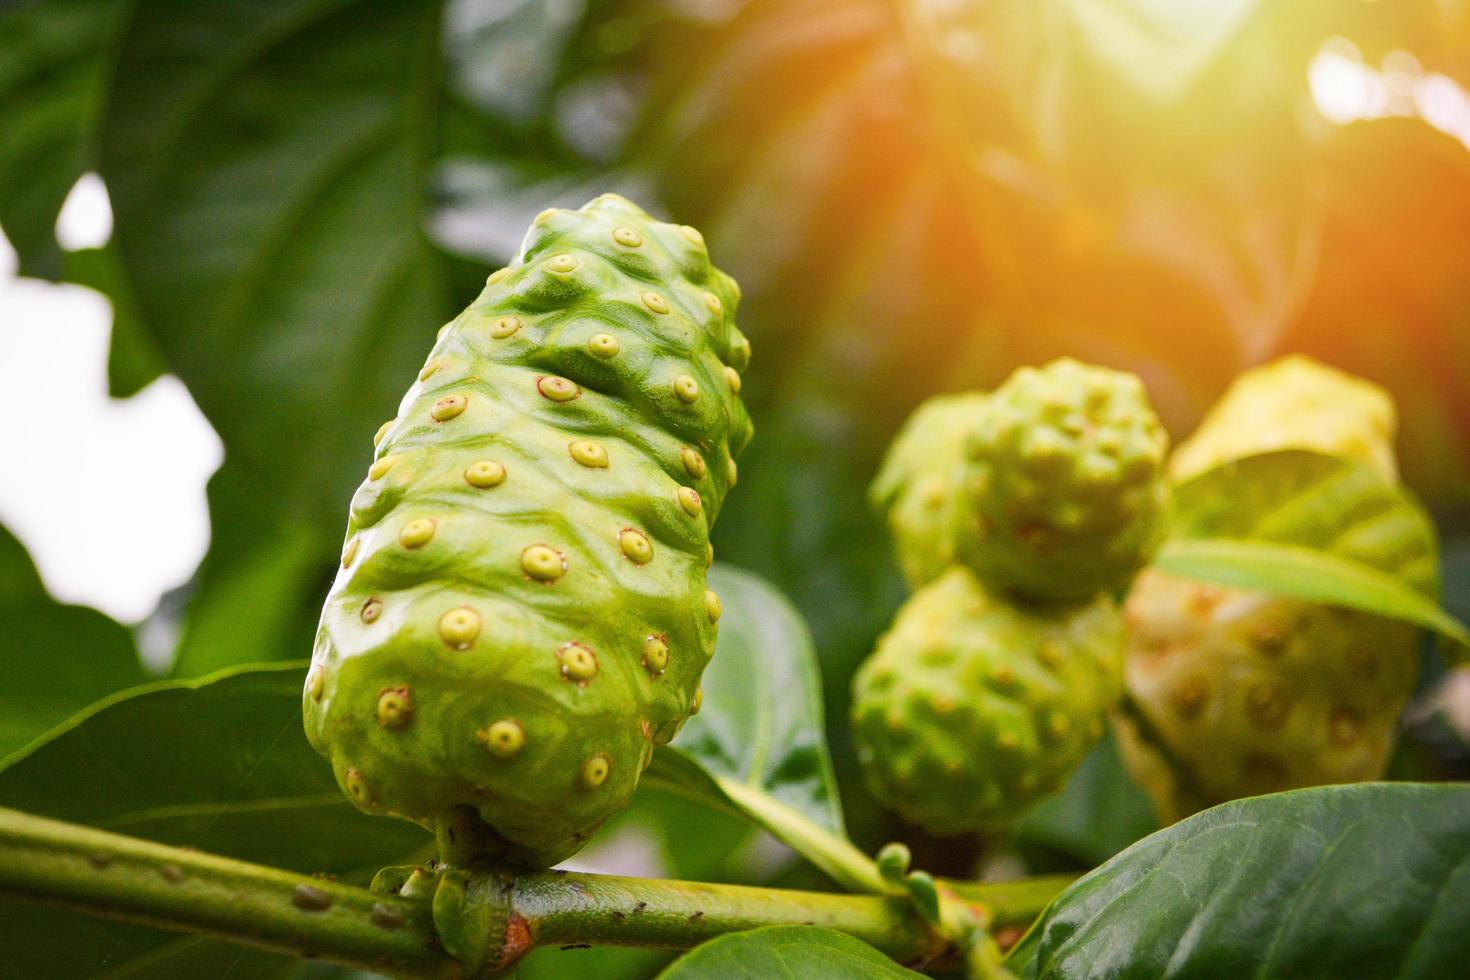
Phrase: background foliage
(915, 197)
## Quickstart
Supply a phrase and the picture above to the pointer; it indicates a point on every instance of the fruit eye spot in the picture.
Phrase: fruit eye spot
(543, 563)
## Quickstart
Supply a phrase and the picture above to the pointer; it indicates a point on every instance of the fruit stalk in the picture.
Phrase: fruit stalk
(110, 875)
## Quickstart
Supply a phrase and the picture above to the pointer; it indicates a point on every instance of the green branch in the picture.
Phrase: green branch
(125, 878)
(119, 877)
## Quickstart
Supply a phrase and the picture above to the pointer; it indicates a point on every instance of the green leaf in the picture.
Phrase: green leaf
(1304, 574)
(56, 659)
(1099, 813)
(1369, 880)
(267, 165)
(133, 362)
(1314, 527)
(757, 746)
(809, 952)
(53, 72)
(263, 573)
(221, 764)
(761, 720)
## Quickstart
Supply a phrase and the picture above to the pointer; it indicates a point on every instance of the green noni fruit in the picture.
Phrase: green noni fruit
(1066, 469)
(1239, 693)
(919, 488)
(522, 614)
(973, 706)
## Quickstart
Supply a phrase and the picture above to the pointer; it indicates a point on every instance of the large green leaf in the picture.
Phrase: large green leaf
(53, 69)
(56, 659)
(267, 166)
(1369, 880)
(757, 747)
(220, 764)
(133, 362)
(761, 720)
(809, 952)
(1099, 813)
(1311, 526)
(257, 594)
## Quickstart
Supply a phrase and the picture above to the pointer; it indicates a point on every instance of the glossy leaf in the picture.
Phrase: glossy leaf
(1365, 881)
(809, 952)
(57, 659)
(53, 72)
(757, 747)
(220, 764)
(761, 720)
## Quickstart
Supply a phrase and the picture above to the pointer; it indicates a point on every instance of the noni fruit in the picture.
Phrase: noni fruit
(919, 488)
(1066, 474)
(973, 706)
(1237, 693)
(1293, 403)
(522, 614)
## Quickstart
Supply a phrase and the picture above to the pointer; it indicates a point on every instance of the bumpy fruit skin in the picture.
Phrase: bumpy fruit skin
(521, 613)
(1066, 472)
(919, 488)
(1294, 403)
(972, 707)
(1238, 693)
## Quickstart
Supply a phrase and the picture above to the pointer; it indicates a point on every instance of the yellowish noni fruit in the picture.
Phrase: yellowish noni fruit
(1293, 403)
(1238, 693)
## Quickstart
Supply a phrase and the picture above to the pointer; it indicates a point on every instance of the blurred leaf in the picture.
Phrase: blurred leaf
(1362, 881)
(1108, 220)
(220, 764)
(258, 592)
(1315, 501)
(133, 362)
(56, 659)
(54, 57)
(1157, 46)
(1311, 526)
(1392, 290)
(267, 165)
(1098, 814)
(810, 952)
(1311, 575)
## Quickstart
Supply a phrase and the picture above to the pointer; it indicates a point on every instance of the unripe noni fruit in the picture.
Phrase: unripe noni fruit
(919, 488)
(974, 706)
(521, 613)
(1238, 693)
(1066, 473)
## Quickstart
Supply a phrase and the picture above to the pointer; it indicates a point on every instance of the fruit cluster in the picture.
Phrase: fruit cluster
(1018, 516)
